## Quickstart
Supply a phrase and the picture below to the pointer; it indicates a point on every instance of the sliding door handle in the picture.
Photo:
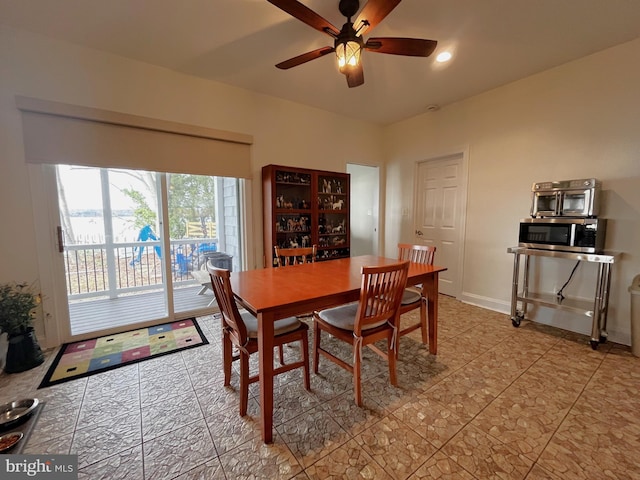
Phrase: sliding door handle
(60, 239)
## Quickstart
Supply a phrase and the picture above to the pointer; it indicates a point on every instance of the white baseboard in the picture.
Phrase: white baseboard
(547, 316)
(486, 302)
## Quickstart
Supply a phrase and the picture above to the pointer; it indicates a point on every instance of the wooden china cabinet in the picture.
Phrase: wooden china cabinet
(304, 207)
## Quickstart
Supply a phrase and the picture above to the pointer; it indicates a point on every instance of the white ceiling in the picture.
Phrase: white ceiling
(238, 42)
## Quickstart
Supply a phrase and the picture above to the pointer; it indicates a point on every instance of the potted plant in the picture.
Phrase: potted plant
(17, 304)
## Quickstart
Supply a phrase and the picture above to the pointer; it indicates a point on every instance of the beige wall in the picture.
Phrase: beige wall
(578, 120)
(284, 132)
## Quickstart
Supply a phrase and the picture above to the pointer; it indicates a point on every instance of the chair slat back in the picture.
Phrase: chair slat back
(380, 294)
(416, 253)
(220, 281)
(293, 256)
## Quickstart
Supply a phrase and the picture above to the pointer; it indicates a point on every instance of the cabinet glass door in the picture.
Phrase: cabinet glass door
(293, 210)
(333, 228)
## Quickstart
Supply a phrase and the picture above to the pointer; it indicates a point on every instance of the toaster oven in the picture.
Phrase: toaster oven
(567, 198)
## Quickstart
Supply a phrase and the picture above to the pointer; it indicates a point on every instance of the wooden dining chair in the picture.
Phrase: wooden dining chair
(241, 330)
(372, 318)
(412, 297)
(293, 256)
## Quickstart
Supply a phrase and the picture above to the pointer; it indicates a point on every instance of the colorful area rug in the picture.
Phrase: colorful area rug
(81, 359)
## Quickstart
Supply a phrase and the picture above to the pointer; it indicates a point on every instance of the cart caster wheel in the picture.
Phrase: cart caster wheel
(515, 322)
(603, 339)
(594, 344)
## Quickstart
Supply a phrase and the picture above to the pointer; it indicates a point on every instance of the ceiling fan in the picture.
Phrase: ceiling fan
(348, 41)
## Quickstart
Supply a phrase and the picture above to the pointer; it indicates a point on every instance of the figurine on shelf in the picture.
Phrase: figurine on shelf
(287, 204)
(329, 226)
(293, 243)
(326, 186)
(279, 201)
(322, 224)
(302, 224)
(338, 186)
(339, 205)
(305, 240)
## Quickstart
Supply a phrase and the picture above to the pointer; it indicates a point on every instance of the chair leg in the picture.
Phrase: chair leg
(316, 346)
(227, 357)
(391, 356)
(244, 383)
(305, 359)
(423, 320)
(280, 355)
(357, 383)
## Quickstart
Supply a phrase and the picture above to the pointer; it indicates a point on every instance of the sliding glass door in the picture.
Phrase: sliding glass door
(120, 270)
(198, 230)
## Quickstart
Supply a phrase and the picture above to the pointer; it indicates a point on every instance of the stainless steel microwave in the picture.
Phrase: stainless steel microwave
(567, 198)
(584, 235)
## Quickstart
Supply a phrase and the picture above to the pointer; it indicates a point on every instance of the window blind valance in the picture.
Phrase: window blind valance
(59, 133)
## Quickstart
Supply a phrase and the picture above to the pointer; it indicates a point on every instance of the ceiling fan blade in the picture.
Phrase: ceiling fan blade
(355, 76)
(373, 13)
(413, 47)
(305, 57)
(306, 15)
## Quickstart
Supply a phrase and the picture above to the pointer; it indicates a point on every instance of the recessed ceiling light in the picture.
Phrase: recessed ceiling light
(443, 57)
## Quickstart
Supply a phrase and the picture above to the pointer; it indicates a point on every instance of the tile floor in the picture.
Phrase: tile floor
(496, 402)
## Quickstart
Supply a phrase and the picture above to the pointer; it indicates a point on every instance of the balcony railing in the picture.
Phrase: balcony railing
(99, 270)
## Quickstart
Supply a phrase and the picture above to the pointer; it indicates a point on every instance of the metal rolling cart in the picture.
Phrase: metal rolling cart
(596, 309)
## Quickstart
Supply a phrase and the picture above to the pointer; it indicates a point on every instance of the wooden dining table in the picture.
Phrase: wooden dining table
(274, 293)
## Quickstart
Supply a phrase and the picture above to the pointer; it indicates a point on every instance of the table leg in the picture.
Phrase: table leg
(514, 287)
(265, 352)
(605, 305)
(525, 284)
(430, 292)
(597, 328)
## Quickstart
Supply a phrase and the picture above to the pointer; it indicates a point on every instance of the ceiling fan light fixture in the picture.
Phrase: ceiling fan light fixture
(348, 54)
(348, 42)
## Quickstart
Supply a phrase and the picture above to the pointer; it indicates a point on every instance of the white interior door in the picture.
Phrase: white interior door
(440, 212)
